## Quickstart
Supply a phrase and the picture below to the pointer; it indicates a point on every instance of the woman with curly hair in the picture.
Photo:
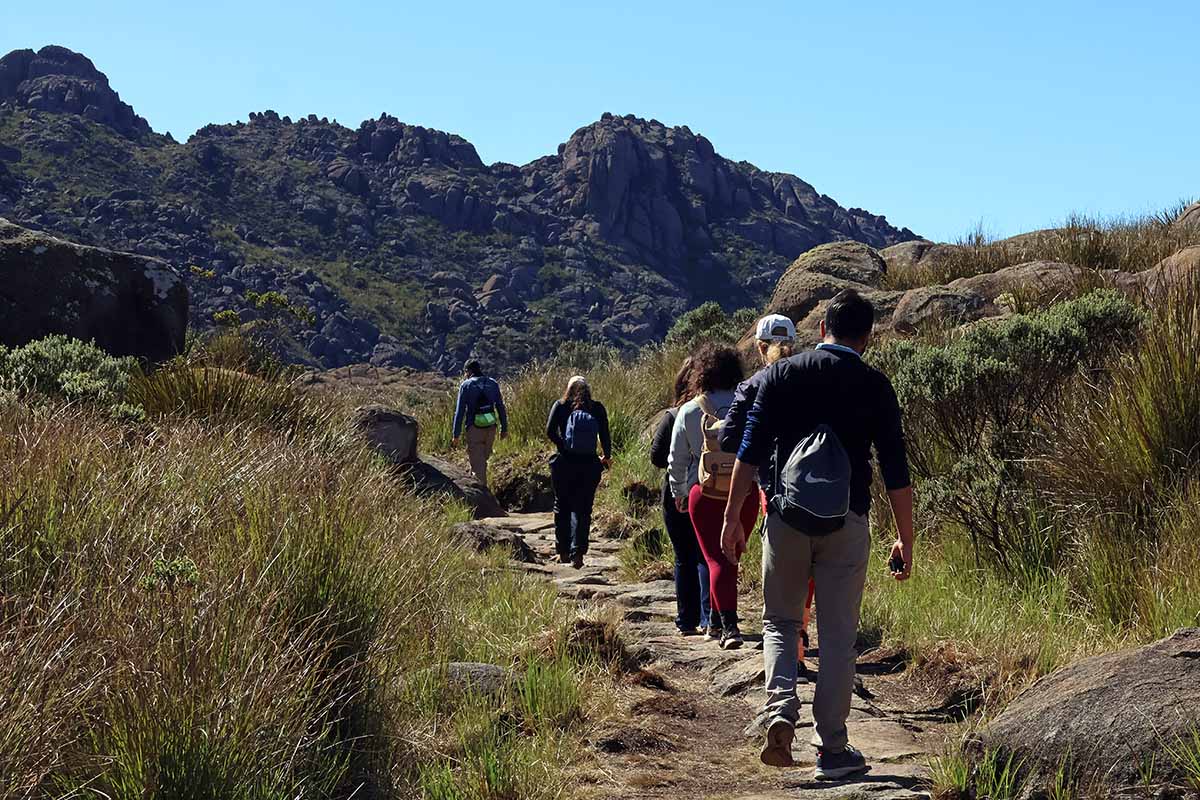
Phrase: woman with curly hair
(700, 473)
(578, 427)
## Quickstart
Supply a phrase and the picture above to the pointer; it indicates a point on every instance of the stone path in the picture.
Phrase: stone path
(699, 738)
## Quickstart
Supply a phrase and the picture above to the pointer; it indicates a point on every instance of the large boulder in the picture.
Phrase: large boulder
(849, 261)
(1190, 216)
(482, 537)
(396, 437)
(1172, 270)
(1106, 716)
(388, 432)
(129, 305)
(907, 256)
(937, 305)
(1046, 277)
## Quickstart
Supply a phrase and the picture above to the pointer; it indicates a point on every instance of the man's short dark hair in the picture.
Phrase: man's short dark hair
(850, 316)
(473, 368)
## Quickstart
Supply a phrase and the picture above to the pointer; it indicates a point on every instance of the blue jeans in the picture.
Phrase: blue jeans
(691, 570)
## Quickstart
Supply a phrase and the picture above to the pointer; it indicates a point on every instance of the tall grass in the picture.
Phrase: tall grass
(1088, 243)
(196, 608)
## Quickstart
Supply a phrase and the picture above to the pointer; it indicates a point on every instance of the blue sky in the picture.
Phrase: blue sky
(940, 115)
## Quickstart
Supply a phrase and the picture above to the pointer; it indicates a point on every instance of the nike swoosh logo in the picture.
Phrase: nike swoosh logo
(810, 478)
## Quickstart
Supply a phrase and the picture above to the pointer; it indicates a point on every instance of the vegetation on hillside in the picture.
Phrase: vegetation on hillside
(211, 601)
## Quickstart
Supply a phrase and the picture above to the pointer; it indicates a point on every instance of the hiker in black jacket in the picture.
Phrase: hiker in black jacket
(575, 424)
(691, 570)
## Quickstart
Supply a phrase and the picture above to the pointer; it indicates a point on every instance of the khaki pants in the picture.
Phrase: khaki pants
(480, 443)
(838, 564)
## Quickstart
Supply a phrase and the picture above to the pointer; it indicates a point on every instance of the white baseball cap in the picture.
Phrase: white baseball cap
(577, 379)
(775, 328)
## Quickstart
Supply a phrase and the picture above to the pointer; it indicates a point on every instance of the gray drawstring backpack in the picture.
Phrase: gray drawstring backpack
(814, 484)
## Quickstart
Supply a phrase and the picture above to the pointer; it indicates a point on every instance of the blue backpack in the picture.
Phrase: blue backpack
(581, 433)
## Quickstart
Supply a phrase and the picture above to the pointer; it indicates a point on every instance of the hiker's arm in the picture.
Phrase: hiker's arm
(660, 445)
(679, 459)
(552, 426)
(459, 410)
(733, 536)
(605, 436)
(502, 410)
(892, 452)
(735, 421)
(902, 510)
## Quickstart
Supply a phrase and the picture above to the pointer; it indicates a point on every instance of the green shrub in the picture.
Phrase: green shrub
(974, 405)
(710, 322)
(59, 366)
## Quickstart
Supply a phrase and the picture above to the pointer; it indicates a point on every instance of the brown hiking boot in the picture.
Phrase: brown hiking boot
(777, 751)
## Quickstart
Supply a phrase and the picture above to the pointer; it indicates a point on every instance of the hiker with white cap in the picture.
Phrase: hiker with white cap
(578, 426)
(774, 338)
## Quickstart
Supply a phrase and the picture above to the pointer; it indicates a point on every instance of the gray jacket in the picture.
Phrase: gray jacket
(687, 441)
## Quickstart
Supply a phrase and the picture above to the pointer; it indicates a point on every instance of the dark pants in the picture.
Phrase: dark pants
(691, 570)
(575, 479)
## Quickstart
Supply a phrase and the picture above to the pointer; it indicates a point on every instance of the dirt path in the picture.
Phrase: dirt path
(695, 735)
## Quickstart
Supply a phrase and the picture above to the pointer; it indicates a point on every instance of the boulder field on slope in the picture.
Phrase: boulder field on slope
(609, 238)
(806, 287)
(1108, 716)
(129, 305)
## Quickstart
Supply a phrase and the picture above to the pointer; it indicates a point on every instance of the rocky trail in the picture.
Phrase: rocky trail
(694, 733)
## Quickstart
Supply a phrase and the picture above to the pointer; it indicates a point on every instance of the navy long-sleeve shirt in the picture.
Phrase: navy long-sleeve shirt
(831, 385)
(735, 426)
(471, 393)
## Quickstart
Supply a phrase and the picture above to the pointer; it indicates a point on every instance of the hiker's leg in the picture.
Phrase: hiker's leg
(840, 570)
(588, 481)
(705, 582)
(708, 515)
(480, 442)
(687, 556)
(560, 480)
(786, 565)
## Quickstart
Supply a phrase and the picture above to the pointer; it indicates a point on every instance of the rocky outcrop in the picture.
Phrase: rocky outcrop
(129, 305)
(1172, 270)
(396, 437)
(1106, 716)
(1046, 277)
(937, 305)
(481, 538)
(814, 278)
(916, 254)
(627, 225)
(1190, 215)
(59, 80)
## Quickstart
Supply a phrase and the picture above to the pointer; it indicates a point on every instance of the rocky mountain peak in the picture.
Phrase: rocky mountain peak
(57, 79)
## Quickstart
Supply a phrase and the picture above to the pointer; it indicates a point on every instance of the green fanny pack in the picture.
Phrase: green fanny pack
(486, 419)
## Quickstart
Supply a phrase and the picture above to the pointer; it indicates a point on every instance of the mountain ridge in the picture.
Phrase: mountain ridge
(403, 246)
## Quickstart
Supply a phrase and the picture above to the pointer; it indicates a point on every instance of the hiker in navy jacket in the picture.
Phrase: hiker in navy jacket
(578, 426)
(480, 408)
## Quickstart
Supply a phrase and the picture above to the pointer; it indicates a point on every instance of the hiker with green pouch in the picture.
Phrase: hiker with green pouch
(480, 410)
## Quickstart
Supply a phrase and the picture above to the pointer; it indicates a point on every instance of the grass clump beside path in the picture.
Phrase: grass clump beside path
(217, 605)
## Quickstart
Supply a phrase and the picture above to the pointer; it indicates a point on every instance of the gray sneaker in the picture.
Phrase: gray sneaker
(843, 764)
(777, 751)
(712, 633)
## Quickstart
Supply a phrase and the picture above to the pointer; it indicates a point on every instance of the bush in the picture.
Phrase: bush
(709, 322)
(59, 366)
(975, 404)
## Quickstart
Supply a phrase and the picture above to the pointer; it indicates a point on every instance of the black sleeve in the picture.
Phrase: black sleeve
(735, 420)
(660, 445)
(554, 425)
(888, 437)
(605, 438)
